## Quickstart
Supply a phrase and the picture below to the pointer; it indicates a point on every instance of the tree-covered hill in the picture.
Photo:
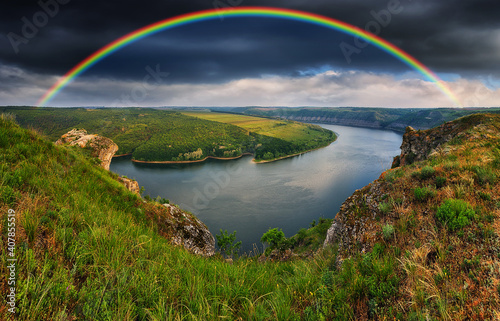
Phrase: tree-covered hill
(165, 135)
(382, 118)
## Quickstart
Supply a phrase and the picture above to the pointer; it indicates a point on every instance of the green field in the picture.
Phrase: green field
(290, 131)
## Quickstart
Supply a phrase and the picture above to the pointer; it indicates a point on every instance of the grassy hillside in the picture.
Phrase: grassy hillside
(430, 230)
(163, 135)
(89, 249)
(420, 243)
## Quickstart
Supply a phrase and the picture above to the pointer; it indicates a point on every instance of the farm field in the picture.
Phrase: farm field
(290, 131)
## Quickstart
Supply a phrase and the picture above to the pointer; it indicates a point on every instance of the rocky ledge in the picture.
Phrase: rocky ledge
(418, 145)
(103, 148)
(190, 232)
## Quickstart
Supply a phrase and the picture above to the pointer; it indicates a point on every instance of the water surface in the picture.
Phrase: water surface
(249, 198)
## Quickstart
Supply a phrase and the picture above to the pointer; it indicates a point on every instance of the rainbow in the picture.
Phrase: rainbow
(245, 12)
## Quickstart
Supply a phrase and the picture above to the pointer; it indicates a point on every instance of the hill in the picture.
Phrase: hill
(155, 135)
(419, 243)
(396, 119)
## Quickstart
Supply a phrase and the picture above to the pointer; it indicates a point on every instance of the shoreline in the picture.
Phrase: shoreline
(229, 158)
(192, 161)
(288, 156)
(122, 155)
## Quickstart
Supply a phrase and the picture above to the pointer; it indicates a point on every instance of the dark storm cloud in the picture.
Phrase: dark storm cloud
(449, 36)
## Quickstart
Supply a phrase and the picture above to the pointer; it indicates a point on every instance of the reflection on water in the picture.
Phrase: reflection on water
(250, 198)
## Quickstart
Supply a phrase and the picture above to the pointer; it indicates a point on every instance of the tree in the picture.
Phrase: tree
(225, 243)
(276, 240)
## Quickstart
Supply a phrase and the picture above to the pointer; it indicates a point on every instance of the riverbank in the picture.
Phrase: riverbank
(226, 158)
(191, 162)
(288, 156)
(122, 155)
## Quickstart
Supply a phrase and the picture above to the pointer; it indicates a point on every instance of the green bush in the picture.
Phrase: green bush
(385, 207)
(424, 193)
(275, 238)
(378, 249)
(8, 195)
(388, 231)
(455, 214)
(427, 172)
(440, 181)
(484, 175)
(225, 242)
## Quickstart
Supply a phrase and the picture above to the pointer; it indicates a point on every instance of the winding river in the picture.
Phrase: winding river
(250, 198)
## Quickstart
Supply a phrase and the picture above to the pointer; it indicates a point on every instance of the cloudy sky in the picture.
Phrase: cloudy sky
(250, 61)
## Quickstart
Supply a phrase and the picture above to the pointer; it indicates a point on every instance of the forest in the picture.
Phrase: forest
(166, 135)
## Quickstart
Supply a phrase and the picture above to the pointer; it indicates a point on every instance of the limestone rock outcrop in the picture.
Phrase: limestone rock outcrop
(190, 232)
(419, 144)
(130, 184)
(354, 228)
(103, 148)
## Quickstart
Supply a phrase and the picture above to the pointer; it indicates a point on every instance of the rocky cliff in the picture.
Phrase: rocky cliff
(190, 232)
(130, 184)
(418, 145)
(353, 227)
(434, 219)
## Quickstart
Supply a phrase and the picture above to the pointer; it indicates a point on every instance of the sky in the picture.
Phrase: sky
(251, 61)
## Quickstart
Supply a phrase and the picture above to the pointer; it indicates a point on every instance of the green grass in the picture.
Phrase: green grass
(455, 214)
(422, 194)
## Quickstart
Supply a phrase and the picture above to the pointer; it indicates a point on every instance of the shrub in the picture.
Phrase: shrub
(485, 196)
(301, 235)
(427, 172)
(388, 231)
(378, 249)
(422, 194)
(226, 244)
(455, 214)
(385, 207)
(440, 181)
(275, 238)
(8, 195)
(484, 175)
(392, 175)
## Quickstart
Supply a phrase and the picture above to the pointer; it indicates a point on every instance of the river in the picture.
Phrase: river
(239, 195)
